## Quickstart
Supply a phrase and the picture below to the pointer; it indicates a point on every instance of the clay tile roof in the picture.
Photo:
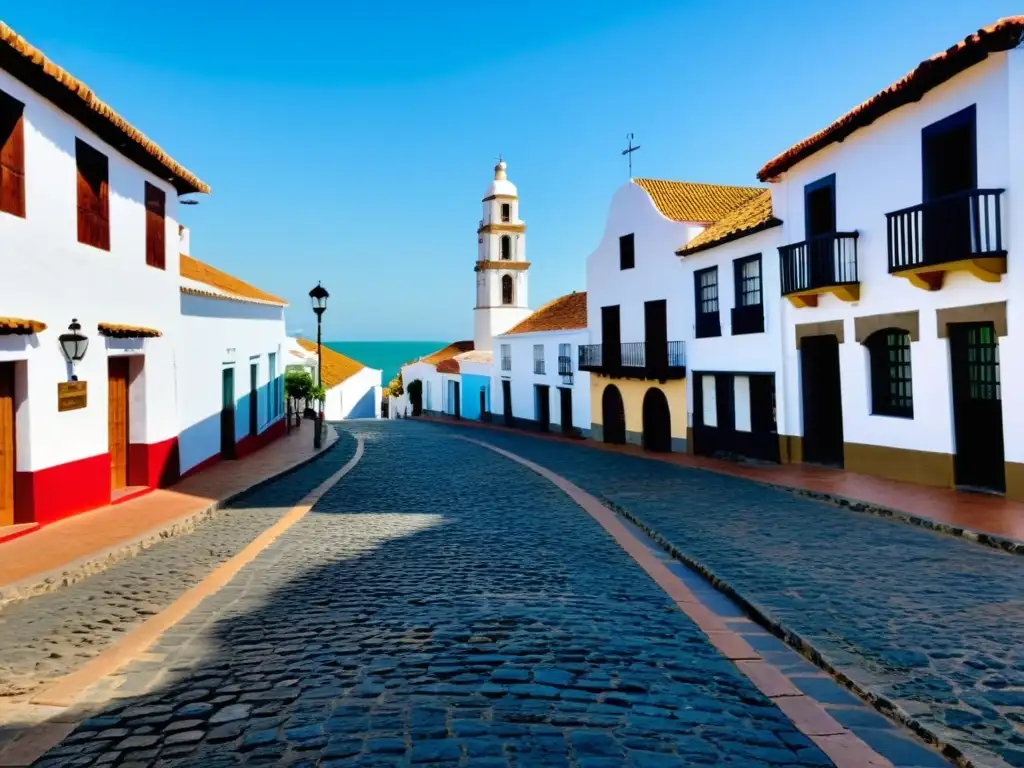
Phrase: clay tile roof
(30, 65)
(116, 331)
(451, 365)
(753, 216)
(336, 366)
(566, 313)
(193, 269)
(17, 326)
(447, 352)
(688, 201)
(484, 356)
(930, 73)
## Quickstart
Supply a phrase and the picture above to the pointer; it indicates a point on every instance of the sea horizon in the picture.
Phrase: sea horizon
(389, 356)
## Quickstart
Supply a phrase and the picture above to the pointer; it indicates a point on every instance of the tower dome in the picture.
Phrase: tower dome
(501, 185)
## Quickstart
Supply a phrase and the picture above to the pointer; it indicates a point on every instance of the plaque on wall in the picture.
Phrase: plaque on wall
(71, 395)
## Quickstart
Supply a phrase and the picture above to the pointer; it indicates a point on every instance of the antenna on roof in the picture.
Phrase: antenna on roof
(628, 152)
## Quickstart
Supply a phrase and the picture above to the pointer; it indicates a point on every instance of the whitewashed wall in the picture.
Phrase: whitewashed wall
(878, 170)
(431, 384)
(344, 397)
(49, 276)
(656, 275)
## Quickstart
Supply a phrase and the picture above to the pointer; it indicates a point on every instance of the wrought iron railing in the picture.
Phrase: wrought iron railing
(635, 358)
(564, 365)
(819, 262)
(961, 226)
(538, 367)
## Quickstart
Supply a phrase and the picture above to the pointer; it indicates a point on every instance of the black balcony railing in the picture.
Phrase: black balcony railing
(636, 359)
(819, 262)
(564, 365)
(965, 225)
(538, 367)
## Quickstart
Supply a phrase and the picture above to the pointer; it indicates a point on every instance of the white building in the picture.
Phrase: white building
(536, 381)
(352, 391)
(898, 263)
(638, 314)
(735, 350)
(89, 236)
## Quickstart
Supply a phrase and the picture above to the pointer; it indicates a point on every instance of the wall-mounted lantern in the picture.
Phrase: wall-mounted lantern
(73, 344)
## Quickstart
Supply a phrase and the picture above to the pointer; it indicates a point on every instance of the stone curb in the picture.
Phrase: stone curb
(763, 617)
(97, 562)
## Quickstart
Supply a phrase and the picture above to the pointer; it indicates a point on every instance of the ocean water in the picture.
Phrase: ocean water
(389, 356)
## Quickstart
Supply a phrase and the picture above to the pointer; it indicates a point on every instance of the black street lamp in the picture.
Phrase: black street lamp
(318, 296)
(73, 345)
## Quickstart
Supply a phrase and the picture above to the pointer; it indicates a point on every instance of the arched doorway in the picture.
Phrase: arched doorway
(657, 422)
(613, 415)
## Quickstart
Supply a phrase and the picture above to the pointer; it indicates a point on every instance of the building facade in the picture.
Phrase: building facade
(352, 390)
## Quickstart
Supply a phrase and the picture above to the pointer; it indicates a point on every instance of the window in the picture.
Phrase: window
(506, 247)
(889, 351)
(565, 359)
(706, 294)
(506, 357)
(93, 200)
(627, 254)
(12, 155)
(506, 212)
(538, 358)
(747, 313)
(507, 294)
(156, 228)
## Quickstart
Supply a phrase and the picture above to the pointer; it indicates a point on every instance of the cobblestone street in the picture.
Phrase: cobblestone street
(438, 604)
(928, 621)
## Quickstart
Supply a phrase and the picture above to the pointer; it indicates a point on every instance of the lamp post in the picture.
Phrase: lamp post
(73, 344)
(318, 296)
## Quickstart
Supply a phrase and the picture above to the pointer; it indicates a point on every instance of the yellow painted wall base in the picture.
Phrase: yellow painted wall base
(633, 391)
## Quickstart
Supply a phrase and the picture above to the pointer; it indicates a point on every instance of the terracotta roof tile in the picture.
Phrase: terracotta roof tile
(336, 366)
(930, 73)
(689, 201)
(29, 64)
(17, 326)
(447, 352)
(451, 365)
(193, 269)
(753, 216)
(116, 331)
(565, 313)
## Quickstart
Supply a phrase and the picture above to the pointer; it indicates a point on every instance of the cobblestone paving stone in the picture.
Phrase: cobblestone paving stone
(47, 636)
(931, 622)
(440, 606)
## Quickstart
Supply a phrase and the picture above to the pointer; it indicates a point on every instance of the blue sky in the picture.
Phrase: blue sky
(352, 144)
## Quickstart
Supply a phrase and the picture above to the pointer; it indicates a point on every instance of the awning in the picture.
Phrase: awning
(115, 331)
(17, 326)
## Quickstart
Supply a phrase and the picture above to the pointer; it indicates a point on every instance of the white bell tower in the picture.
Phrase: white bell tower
(501, 265)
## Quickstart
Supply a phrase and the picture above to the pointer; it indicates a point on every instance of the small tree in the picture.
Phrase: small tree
(298, 387)
(415, 390)
(395, 387)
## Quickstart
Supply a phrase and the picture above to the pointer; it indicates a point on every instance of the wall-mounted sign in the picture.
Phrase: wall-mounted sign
(71, 395)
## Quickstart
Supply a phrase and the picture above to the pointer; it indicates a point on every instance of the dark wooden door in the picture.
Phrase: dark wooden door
(948, 167)
(725, 405)
(611, 338)
(457, 410)
(977, 406)
(822, 400)
(820, 219)
(543, 395)
(657, 434)
(117, 420)
(227, 413)
(254, 403)
(483, 403)
(613, 415)
(656, 336)
(565, 409)
(7, 444)
(506, 401)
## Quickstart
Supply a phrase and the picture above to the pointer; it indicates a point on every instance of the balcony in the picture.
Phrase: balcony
(819, 265)
(635, 360)
(565, 368)
(961, 232)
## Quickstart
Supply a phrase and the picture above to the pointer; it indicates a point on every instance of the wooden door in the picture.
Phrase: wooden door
(611, 338)
(565, 395)
(822, 400)
(506, 397)
(656, 336)
(254, 402)
(977, 406)
(7, 443)
(949, 168)
(227, 413)
(613, 415)
(543, 395)
(457, 394)
(657, 422)
(117, 420)
(483, 403)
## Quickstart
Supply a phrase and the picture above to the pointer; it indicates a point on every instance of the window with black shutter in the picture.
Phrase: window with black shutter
(705, 283)
(93, 196)
(156, 228)
(627, 254)
(506, 212)
(748, 310)
(891, 388)
(12, 155)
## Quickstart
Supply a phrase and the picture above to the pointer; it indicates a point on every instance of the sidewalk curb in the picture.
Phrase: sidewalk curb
(794, 640)
(97, 562)
(1011, 546)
